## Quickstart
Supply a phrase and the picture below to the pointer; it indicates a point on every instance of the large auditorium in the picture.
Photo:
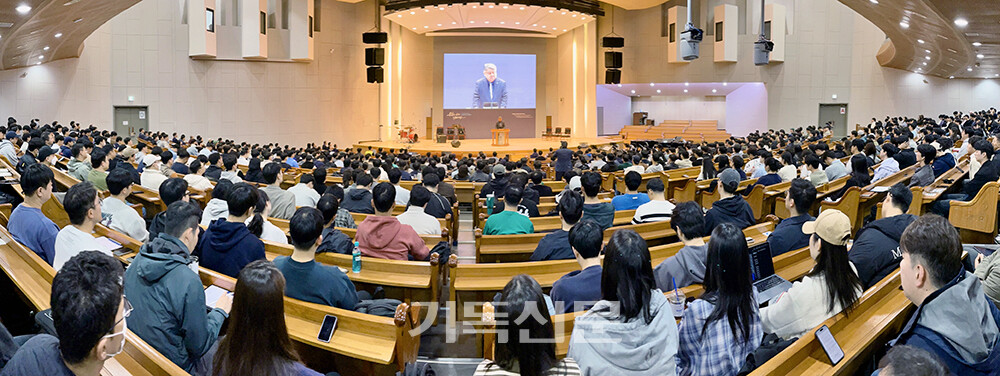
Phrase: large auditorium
(499, 187)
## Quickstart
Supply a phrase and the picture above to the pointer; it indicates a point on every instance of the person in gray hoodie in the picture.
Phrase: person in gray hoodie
(954, 320)
(7, 148)
(167, 295)
(688, 265)
(217, 207)
(631, 330)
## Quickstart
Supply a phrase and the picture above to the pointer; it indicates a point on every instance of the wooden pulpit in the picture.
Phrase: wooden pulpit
(501, 137)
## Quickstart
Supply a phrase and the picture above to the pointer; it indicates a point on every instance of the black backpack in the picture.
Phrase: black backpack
(770, 346)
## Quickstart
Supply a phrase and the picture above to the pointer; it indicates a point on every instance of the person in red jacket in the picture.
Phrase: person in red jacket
(383, 236)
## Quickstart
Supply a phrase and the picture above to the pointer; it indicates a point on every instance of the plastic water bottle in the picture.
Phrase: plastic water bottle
(356, 259)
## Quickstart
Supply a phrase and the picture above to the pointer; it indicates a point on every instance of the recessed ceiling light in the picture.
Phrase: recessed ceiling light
(715, 91)
(517, 23)
(927, 57)
(414, 28)
(522, 8)
(925, 64)
(41, 57)
(921, 41)
(425, 26)
(564, 29)
(574, 16)
(657, 91)
(504, 7)
(563, 13)
(904, 24)
(950, 77)
(725, 84)
(474, 7)
(977, 44)
(685, 90)
(551, 11)
(553, 28)
(46, 48)
(23, 8)
(453, 22)
(874, 1)
(961, 22)
(927, 51)
(619, 85)
(687, 84)
(996, 75)
(980, 56)
(534, 24)
(439, 25)
(501, 22)
(651, 84)
(399, 15)
(633, 91)
(427, 10)
(491, 7)
(487, 22)
(969, 69)
(412, 12)
(472, 22)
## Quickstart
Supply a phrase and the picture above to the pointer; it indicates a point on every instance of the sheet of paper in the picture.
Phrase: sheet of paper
(880, 189)
(107, 245)
(213, 293)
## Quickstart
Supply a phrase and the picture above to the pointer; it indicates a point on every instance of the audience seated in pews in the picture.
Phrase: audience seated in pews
(415, 216)
(593, 208)
(115, 210)
(402, 194)
(180, 164)
(359, 198)
(307, 279)
(954, 319)
(723, 326)
(831, 286)
(509, 221)
(859, 176)
(228, 245)
(658, 208)
(256, 339)
(527, 206)
(787, 235)
(631, 199)
(631, 321)
(731, 207)
(305, 194)
(27, 223)
(769, 176)
(990, 171)
(381, 235)
(945, 160)
(333, 240)
(89, 312)
(438, 205)
(498, 184)
(259, 225)
(282, 201)
(170, 308)
(536, 184)
(875, 252)
(196, 179)
(577, 290)
(83, 206)
(556, 245)
(214, 170)
(217, 207)
(687, 267)
(151, 178)
(525, 341)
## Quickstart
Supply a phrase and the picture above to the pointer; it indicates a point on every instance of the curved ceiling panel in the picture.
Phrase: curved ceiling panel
(635, 4)
(943, 38)
(50, 29)
(476, 17)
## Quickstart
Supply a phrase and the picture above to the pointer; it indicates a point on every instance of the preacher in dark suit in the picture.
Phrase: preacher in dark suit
(490, 91)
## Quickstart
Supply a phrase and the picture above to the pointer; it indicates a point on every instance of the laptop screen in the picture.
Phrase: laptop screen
(761, 264)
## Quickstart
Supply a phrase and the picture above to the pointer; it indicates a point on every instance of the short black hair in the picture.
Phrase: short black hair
(655, 185)
(213, 158)
(812, 160)
(890, 149)
(194, 166)
(328, 205)
(305, 227)
(909, 360)
(512, 195)
(900, 196)
(78, 200)
(394, 175)
(803, 194)
(166, 156)
(927, 152)
(364, 179)
(241, 199)
(934, 243)
(985, 147)
(77, 149)
(570, 207)
(771, 163)
(305, 178)
(97, 157)
(419, 196)
(536, 177)
(181, 153)
(172, 190)
(117, 180)
(34, 177)
(431, 180)
(86, 294)
(270, 172)
(229, 161)
(591, 183)
(633, 180)
(179, 217)
(688, 219)
(384, 196)
(586, 238)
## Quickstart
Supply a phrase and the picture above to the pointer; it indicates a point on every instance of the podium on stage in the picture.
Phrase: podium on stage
(501, 137)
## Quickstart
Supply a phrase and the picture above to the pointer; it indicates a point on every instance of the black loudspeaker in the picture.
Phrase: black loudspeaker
(375, 75)
(612, 59)
(375, 38)
(374, 56)
(613, 42)
(611, 76)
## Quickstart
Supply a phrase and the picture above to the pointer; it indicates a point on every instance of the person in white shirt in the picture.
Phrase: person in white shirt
(230, 173)
(658, 208)
(598, 162)
(259, 225)
(83, 206)
(196, 179)
(889, 165)
(787, 171)
(244, 159)
(151, 177)
(402, 194)
(305, 194)
(832, 285)
(118, 215)
(636, 166)
(415, 217)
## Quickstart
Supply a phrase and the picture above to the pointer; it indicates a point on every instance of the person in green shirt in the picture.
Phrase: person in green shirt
(509, 221)
(99, 174)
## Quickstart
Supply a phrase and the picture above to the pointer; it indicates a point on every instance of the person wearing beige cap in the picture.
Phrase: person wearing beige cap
(830, 287)
(151, 176)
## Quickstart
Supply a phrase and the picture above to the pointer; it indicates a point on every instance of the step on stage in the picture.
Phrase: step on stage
(518, 147)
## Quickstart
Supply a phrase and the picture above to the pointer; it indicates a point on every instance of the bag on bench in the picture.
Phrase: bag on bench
(770, 346)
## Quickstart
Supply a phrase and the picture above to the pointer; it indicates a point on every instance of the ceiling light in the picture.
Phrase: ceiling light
(925, 64)
(487, 22)
(687, 84)
(657, 91)
(439, 25)
(961, 22)
(715, 91)
(969, 69)
(725, 84)
(980, 56)
(996, 75)
(927, 57)
(921, 41)
(38, 63)
(977, 44)
(440, 8)
(633, 91)
(414, 28)
(522, 8)
(904, 24)
(551, 11)
(23, 8)
(534, 24)
(504, 7)
(874, 1)
(564, 29)
(427, 10)
(501, 22)
(651, 84)
(950, 77)
(412, 12)
(685, 90)
(574, 16)
(41, 57)
(425, 26)
(563, 13)
(453, 22)
(553, 28)
(619, 85)
(491, 7)
(517, 23)
(399, 15)
(927, 51)
(474, 7)
(46, 48)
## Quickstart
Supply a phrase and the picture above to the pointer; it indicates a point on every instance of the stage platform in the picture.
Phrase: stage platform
(519, 147)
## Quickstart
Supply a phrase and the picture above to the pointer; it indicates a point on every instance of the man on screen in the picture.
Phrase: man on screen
(490, 91)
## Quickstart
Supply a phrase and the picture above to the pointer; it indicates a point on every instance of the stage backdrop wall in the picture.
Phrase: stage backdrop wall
(662, 108)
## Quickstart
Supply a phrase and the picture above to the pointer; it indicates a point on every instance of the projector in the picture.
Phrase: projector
(691, 37)
(762, 51)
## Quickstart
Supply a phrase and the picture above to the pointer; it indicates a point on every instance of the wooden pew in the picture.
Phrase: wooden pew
(821, 193)
(877, 317)
(976, 219)
(941, 185)
(515, 248)
(848, 204)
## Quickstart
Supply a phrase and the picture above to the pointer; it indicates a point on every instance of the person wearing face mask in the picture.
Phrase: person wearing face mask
(168, 294)
(90, 313)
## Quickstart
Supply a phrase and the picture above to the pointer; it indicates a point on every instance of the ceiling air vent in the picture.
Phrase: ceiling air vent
(6, 24)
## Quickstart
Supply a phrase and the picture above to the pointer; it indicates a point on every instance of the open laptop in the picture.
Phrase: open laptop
(767, 284)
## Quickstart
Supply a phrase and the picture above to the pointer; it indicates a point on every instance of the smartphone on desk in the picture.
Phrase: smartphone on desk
(326, 330)
(829, 345)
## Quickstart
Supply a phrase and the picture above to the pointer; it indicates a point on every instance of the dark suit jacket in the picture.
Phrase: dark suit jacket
(482, 93)
(990, 171)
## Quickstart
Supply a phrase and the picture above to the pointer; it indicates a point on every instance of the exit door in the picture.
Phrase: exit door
(130, 119)
(836, 115)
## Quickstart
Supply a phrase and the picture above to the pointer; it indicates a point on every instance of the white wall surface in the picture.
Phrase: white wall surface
(662, 108)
